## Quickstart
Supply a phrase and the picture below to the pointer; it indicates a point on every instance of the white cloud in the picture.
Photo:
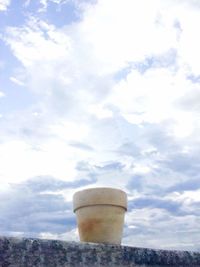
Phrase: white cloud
(153, 97)
(18, 82)
(51, 157)
(69, 236)
(2, 94)
(4, 4)
(44, 4)
(122, 35)
(38, 42)
(177, 232)
(134, 30)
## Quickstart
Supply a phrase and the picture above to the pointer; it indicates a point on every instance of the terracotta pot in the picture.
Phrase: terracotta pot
(100, 214)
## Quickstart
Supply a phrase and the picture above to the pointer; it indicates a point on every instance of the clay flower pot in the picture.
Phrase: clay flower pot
(100, 214)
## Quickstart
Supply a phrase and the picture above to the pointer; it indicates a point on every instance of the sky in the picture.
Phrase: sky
(101, 94)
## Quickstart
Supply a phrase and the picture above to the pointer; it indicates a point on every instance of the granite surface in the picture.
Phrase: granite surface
(21, 252)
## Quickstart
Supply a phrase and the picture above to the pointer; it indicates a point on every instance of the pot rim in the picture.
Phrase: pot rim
(99, 196)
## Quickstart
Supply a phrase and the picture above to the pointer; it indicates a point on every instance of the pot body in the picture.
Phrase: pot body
(100, 214)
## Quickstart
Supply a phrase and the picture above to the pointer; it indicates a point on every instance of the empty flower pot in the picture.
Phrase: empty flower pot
(100, 214)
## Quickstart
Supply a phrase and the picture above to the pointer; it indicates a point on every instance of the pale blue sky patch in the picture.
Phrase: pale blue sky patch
(60, 14)
(165, 60)
(194, 78)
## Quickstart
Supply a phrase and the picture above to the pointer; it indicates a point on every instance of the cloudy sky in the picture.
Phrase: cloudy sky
(101, 93)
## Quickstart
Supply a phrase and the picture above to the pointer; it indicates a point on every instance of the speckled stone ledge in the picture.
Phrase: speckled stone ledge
(15, 252)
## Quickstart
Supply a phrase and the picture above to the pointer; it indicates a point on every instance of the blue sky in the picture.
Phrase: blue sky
(101, 93)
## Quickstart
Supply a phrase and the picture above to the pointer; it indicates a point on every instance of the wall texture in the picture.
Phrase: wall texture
(51, 253)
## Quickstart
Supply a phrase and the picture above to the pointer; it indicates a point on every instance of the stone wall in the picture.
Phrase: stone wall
(52, 253)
